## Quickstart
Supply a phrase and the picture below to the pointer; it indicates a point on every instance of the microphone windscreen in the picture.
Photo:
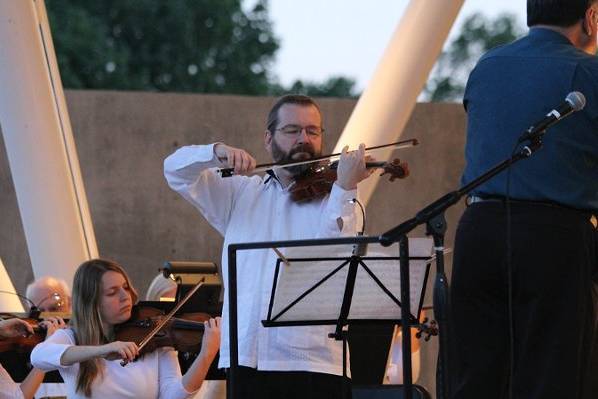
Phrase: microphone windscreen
(577, 100)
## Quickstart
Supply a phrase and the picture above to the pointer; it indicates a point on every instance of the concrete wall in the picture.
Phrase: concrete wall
(123, 137)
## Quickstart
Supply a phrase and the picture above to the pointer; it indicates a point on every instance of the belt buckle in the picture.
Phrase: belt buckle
(472, 199)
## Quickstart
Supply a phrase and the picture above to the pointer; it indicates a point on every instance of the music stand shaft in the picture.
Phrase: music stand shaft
(405, 316)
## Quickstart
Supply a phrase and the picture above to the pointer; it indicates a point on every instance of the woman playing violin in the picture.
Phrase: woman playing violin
(14, 328)
(89, 358)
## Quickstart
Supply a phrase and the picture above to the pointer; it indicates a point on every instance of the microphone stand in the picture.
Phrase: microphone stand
(433, 216)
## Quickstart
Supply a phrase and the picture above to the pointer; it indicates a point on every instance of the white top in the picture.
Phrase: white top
(8, 388)
(155, 375)
(250, 209)
(51, 390)
(12, 390)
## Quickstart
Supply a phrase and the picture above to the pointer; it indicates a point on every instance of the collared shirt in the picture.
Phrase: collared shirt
(510, 89)
(252, 209)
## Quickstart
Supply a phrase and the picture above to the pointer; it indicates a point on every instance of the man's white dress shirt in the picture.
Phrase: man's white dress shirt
(251, 209)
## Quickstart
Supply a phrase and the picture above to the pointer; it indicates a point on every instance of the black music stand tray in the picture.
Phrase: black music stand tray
(353, 266)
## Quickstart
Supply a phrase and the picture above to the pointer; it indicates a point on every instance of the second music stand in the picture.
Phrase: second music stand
(335, 285)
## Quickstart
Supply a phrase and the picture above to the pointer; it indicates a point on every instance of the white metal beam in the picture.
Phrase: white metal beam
(8, 303)
(39, 144)
(389, 98)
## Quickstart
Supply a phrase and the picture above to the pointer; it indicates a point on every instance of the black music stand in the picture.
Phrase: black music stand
(351, 264)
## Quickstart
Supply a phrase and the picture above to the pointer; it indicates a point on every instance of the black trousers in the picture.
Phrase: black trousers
(255, 384)
(554, 283)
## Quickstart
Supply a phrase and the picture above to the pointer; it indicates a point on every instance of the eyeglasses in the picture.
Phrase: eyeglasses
(293, 131)
(54, 303)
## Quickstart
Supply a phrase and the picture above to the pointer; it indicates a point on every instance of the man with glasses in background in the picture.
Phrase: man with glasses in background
(283, 362)
(49, 294)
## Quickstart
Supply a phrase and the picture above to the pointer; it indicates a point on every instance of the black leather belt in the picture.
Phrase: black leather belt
(474, 199)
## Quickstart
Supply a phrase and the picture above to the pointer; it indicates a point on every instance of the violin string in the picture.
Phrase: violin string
(166, 318)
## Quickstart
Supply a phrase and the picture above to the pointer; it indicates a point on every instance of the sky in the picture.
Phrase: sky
(324, 38)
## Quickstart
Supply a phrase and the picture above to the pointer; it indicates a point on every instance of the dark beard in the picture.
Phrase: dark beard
(280, 156)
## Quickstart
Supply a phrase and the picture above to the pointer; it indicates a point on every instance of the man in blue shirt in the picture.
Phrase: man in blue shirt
(538, 311)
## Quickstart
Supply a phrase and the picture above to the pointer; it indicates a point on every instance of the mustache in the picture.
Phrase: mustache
(303, 147)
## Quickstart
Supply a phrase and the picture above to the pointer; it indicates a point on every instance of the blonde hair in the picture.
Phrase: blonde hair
(86, 318)
(159, 286)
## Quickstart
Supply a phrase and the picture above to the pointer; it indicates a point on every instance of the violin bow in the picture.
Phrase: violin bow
(166, 319)
(227, 172)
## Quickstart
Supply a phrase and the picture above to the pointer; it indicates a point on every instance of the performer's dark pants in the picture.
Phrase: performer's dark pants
(554, 266)
(254, 384)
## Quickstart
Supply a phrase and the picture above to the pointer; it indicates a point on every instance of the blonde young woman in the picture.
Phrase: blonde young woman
(88, 358)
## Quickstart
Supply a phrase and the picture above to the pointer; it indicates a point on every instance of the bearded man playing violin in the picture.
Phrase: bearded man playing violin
(283, 362)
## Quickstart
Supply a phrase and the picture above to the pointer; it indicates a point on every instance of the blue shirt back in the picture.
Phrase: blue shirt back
(510, 89)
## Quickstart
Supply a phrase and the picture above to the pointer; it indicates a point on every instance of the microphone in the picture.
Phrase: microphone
(574, 102)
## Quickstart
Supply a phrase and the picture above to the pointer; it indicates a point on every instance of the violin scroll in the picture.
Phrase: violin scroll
(396, 169)
(427, 328)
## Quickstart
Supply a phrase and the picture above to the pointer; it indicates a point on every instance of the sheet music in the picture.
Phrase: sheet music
(369, 300)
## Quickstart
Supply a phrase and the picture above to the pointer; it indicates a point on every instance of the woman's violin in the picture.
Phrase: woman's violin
(184, 333)
(150, 328)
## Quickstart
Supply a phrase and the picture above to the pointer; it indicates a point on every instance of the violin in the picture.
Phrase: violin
(150, 328)
(23, 344)
(228, 172)
(317, 181)
(184, 333)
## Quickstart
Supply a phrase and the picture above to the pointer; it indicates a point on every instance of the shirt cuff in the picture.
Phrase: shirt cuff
(339, 213)
(195, 154)
(339, 198)
(52, 354)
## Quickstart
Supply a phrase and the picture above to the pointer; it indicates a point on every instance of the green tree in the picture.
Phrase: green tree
(208, 46)
(336, 86)
(478, 35)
